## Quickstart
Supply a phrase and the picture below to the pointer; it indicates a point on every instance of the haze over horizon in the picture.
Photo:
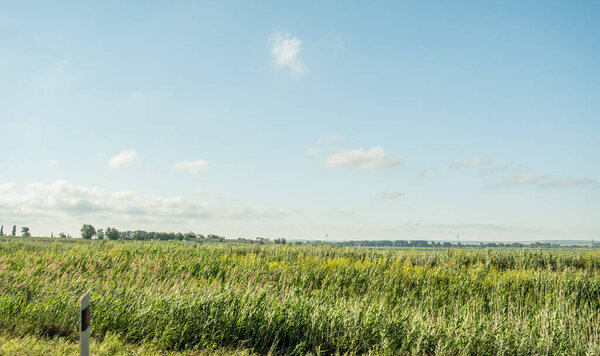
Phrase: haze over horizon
(360, 121)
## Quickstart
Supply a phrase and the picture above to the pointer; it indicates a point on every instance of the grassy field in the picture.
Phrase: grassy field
(110, 345)
(177, 297)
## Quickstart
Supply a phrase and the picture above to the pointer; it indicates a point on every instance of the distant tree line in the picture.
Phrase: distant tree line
(24, 231)
(89, 232)
(446, 244)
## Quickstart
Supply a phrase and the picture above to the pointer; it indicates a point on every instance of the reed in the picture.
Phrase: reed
(305, 299)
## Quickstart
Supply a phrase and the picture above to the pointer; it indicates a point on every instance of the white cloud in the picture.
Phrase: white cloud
(521, 179)
(323, 143)
(61, 196)
(345, 213)
(495, 169)
(544, 181)
(426, 172)
(6, 189)
(471, 162)
(375, 158)
(64, 199)
(285, 50)
(123, 159)
(249, 213)
(191, 166)
(560, 183)
(390, 194)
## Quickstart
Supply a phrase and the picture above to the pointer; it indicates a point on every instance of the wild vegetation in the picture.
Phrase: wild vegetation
(290, 299)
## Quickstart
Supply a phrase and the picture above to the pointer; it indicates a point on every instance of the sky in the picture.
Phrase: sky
(305, 120)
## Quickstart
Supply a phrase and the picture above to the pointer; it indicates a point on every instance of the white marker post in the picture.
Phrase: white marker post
(84, 324)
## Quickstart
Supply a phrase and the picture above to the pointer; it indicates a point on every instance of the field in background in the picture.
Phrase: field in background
(178, 296)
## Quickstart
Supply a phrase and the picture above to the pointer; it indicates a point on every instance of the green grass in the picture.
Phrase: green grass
(111, 345)
(176, 296)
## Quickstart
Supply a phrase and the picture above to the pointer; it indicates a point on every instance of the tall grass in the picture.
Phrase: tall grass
(306, 299)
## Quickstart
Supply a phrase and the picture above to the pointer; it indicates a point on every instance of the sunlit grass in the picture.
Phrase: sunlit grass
(301, 299)
(111, 345)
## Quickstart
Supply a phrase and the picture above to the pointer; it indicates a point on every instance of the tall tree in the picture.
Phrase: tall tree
(14, 231)
(25, 232)
(87, 231)
(111, 233)
(2, 230)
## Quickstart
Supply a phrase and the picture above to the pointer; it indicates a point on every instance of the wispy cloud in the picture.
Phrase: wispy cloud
(323, 143)
(471, 162)
(375, 158)
(345, 213)
(123, 159)
(522, 179)
(285, 50)
(544, 181)
(495, 169)
(191, 166)
(390, 194)
(468, 227)
(426, 172)
(561, 183)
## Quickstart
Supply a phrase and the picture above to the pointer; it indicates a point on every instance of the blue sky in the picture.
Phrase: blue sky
(391, 120)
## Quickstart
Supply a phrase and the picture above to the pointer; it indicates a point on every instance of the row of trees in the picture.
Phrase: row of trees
(24, 231)
(88, 232)
(423, 243)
